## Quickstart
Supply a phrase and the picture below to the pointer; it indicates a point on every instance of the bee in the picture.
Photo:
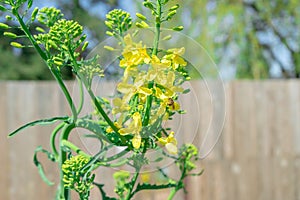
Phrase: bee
(171, 103)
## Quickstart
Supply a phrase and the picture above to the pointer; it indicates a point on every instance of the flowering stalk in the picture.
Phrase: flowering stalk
(147, 97)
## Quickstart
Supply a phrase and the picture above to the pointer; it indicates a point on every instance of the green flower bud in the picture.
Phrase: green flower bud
(109, 48)
(8, 17)
(52, 43)
(149, 5)
(9, 34)
(109, 33)
(142, 24)
(171, 14)
(168, 37)
(4, 26)
(34, 14)
(16, 44)
(174, 7)
(178, 28)
(142, 17)
(39, 29)
(85, 45)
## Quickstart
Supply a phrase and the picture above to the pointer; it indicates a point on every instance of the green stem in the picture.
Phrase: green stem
(52, 139)
(64, 192)
(154, 53)
(74, 148)
(103, 113)
(132, 183)
(81, 93)
(179, 185)
(45, 58)
(93, 97)
(157, 28)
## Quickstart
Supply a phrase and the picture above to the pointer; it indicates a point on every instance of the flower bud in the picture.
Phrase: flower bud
(142, 24)
(109, 33)
(168, 37)
(39, 29)
(142, 17)
(16, 44)
(178, 28)
(34, 14)
(174, 7)
(149, 5)
(4, 26)
(85, 45)
(9, 34)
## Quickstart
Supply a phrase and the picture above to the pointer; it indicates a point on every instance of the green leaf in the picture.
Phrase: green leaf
(147, 186)
(39, 122)
(39, 165)
(103, 194)
(96, 128)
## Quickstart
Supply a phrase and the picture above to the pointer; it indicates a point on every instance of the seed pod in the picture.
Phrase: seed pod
(9, 34)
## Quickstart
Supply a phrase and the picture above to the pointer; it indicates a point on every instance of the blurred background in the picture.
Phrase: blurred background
(246, 38)
(256, 47)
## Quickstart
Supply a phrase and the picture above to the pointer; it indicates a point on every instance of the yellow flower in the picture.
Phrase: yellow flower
(110, 130)
(157, 68)
(134, 128)
(167, 100)
(167, 81)
(120, 106)
(175, 57)
(129, 90)
(134, 53)
(170, 143)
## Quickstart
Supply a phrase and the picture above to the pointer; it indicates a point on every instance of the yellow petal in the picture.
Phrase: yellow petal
(171, 148)
(145, 91)
(127, 39)
(136, 141)
(163, 141)
(125, 88)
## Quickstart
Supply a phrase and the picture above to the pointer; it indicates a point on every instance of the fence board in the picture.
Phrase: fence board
(257, 157)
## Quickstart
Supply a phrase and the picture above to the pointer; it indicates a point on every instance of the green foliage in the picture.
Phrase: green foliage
(76, 178)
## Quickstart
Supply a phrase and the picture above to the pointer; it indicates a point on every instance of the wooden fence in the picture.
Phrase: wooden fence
(257, 156)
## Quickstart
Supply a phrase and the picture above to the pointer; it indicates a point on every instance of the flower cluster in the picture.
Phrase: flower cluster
(75, 177)
(149, 81)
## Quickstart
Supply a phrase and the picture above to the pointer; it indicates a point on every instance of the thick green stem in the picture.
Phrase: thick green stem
(45, 58)
(64, 192)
